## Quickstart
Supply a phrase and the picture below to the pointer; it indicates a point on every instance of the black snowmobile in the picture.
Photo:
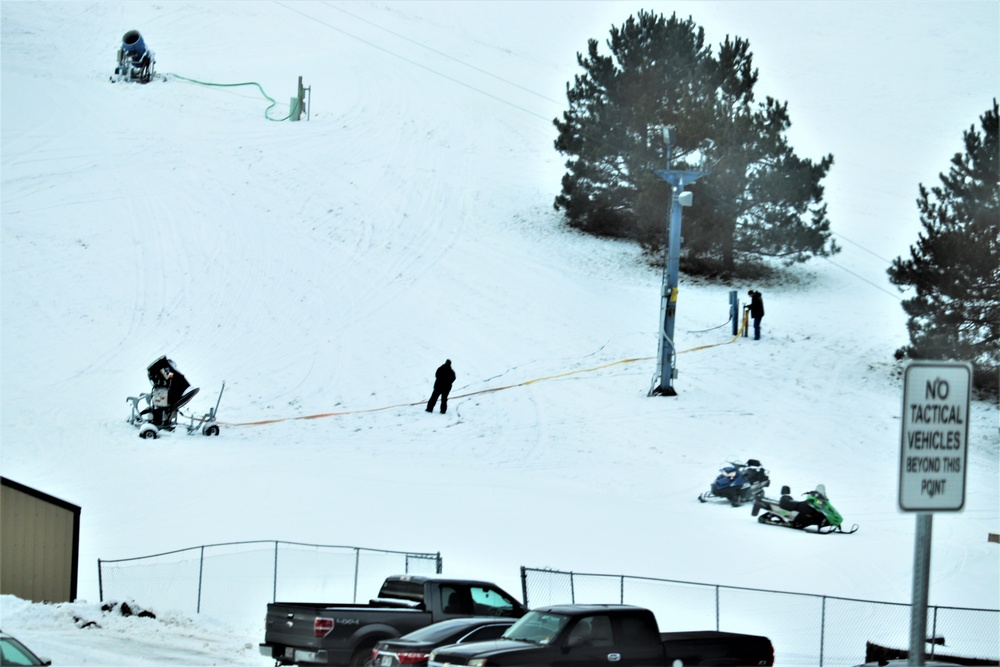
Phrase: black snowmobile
(738, 483)
(815, 514)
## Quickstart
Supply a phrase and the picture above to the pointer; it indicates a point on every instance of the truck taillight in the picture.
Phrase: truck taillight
(322, 627)
(411, 657)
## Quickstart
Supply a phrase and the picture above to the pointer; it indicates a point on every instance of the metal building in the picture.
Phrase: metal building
(39, 544)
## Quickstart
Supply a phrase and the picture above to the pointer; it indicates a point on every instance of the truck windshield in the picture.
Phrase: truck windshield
(537, 627)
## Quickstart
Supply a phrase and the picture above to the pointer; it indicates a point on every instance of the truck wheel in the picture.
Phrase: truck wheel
(362, 657)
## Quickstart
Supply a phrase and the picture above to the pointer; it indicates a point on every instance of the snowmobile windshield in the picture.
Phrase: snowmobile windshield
(537, 627)
(825, 507)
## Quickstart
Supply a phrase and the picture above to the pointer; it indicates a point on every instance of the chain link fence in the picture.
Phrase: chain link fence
(806, 630)
(237, 579)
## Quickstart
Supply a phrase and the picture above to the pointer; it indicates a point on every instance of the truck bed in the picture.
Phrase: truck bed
(292, 625)
(708, 647)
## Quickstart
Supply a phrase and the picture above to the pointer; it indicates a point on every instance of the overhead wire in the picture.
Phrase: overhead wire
(863, 279)
(867, 250)
(414, 62)
(858, 276)
(339, 8)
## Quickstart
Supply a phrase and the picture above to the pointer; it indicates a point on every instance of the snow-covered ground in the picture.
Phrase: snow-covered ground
(332, 265)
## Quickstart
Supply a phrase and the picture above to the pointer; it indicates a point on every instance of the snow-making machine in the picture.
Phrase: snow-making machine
(136, 61)
(161, 409)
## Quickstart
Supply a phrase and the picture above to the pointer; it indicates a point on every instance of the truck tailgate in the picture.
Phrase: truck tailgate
(292, 625)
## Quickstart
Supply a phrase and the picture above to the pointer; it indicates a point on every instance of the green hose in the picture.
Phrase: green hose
(233, 85)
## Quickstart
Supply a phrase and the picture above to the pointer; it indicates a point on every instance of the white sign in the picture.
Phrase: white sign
(934, 445)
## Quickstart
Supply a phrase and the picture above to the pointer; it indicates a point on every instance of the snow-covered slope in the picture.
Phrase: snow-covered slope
(332, 265)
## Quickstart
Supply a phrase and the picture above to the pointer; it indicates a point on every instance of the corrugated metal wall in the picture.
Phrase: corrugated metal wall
(39, 544)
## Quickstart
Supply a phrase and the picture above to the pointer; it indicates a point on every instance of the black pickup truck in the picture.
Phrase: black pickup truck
(595, 635)
(310, 633)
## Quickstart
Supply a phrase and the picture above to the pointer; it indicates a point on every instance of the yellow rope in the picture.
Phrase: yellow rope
(491, 389)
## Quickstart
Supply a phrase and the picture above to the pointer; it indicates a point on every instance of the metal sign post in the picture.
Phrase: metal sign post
(932, 463)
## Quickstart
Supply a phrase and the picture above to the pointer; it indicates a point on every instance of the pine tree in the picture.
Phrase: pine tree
(954, 267)
(758, 199)
(612, 128)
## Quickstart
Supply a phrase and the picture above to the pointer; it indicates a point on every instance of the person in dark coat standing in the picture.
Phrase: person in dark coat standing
(756, 311)
(443, 379)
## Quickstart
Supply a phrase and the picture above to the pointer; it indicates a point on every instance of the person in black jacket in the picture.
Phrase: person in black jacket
(756, 311)
(443, 379)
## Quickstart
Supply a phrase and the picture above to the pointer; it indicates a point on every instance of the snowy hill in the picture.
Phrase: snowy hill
(332, 265)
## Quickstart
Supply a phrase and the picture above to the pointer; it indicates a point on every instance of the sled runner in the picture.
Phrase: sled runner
(171, 391)
(738, 483)
(815, 514)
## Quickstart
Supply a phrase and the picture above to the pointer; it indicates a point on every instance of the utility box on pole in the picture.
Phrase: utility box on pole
(298, 103)
(734, 310)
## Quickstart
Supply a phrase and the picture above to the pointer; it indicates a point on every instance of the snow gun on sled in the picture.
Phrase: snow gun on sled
(171, 391)
(815, 514)
(135, 60)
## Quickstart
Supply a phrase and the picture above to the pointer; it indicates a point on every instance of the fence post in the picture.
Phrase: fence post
(934, 632)
(717, 608)
(621, 589)
(572, 588)
(440, 563)
(100, 581)
(201, 570)
(822, 629)
(274, 579)
(357, 562)
(524, 586)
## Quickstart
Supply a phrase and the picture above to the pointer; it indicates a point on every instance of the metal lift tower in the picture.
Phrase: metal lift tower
(662, 384)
